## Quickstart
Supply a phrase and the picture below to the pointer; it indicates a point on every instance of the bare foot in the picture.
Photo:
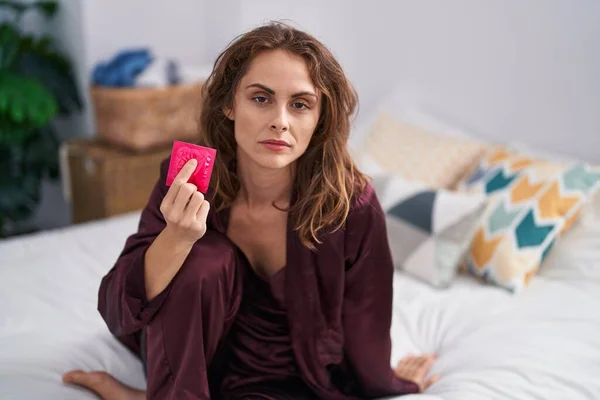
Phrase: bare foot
(104, 385)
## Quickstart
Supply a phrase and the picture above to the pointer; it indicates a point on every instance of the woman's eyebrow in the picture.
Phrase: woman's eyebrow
(304, 94)
(263, 87)
(272, 92)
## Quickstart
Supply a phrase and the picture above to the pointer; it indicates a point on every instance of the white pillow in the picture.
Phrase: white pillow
(397, 106)
(576, 256)
(418, 154)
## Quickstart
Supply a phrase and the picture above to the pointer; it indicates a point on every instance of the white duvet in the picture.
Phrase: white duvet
(541, 344)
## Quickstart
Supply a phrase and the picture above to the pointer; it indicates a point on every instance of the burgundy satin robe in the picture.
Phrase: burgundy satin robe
(338, 299)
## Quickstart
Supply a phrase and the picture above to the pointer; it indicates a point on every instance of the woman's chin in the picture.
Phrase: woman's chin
(274, 161)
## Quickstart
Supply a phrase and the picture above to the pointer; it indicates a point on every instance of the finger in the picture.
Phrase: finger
(407, 358)
(182, 178)
(412, 362)
(186, 172)
(183, 196)
(171, 194)
(426, 359)
(431, 381)
(402, 364)
(193, 206)
(202, 213)
(422, 367)
(425, 363)
(419, 361)
(429, 360)
(400, 370)
(407, 370)
(416, 371)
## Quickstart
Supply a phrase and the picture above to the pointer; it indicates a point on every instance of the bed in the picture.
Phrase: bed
(543, 343)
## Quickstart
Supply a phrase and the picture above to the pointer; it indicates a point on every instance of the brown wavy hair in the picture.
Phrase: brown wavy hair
(326, 179)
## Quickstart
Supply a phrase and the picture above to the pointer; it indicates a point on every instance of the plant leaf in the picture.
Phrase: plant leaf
(20, 190)
(12, 133)
(37, 58)
(10, 40)
(23, 167)
(25, 101)
(15, 5)
(48, 8)
(40, 152)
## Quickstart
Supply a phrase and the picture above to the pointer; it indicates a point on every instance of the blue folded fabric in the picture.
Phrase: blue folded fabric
(122, 70)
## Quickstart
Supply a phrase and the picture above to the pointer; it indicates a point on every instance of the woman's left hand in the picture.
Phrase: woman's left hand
(415, 368)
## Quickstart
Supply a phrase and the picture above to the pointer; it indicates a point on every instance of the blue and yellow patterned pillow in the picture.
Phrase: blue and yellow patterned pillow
(531, 203)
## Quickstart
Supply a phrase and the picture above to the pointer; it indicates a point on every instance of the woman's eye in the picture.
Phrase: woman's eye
(260, 99)
(299, 106)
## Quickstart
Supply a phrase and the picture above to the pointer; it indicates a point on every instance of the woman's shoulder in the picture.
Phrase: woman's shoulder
(365, 201)
(365, 222)
(365, 212)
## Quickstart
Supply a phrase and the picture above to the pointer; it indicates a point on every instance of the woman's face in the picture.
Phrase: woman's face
(275, 111)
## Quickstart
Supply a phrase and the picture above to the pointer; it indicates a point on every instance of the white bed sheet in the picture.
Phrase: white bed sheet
(541, 344)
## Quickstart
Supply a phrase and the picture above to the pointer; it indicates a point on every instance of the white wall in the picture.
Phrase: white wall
(508, 69)
(525, 70)
(174, 29)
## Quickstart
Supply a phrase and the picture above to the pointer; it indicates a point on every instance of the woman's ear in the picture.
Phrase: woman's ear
(228, 111)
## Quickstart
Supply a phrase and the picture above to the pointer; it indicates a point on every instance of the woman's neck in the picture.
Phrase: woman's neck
(264, 187)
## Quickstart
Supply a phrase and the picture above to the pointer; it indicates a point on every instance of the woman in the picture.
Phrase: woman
(278, 283)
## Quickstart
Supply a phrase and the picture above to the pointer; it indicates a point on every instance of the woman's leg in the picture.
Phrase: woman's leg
(284, 390)
(182, 339)
(184, 335)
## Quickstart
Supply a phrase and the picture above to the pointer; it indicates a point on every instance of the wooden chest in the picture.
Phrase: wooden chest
(105, 181)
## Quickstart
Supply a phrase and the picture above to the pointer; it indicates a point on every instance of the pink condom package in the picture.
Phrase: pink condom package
(182, 152)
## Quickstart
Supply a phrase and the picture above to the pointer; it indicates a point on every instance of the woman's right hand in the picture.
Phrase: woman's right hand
(184, 207)
(416, 368)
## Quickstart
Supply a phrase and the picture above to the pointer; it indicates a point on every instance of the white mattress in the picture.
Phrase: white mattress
(541, 344)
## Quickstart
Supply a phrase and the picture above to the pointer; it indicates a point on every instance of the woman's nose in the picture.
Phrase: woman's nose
(280, 123)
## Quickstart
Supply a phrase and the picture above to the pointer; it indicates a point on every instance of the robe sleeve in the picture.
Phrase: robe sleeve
(367, 309)
(122, 301)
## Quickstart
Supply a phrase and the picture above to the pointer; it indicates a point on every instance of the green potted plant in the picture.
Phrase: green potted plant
(37, 85)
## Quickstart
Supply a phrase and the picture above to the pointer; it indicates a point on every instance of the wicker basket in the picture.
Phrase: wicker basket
(139, 119)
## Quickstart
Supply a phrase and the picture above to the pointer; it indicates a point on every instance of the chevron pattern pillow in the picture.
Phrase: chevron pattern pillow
(428, 229)
(532, 202)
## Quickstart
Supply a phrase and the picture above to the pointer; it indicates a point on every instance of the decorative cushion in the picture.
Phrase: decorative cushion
(499, 166)
(531, 203)
(414, 153)
(428, 230)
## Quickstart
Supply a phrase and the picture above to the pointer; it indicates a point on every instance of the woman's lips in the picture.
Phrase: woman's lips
(275, 145)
